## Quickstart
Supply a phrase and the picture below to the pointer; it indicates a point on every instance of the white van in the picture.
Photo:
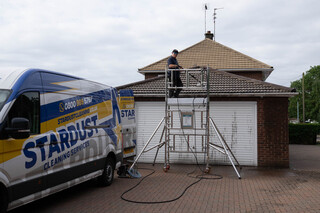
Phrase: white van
(56, 131)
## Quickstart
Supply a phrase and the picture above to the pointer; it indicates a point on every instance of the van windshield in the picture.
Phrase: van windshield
(4, 94)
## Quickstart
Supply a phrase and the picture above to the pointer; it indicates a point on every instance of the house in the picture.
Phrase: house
(251, 114)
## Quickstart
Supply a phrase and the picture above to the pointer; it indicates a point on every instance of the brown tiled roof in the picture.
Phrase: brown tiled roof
(221, 84)
(213, 54)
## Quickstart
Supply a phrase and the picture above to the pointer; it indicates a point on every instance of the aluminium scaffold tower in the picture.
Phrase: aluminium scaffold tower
(187, 125)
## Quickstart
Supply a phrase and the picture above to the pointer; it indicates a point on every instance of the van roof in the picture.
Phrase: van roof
(9, 78)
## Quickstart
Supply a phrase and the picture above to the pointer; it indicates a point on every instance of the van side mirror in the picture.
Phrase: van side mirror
(19, 128)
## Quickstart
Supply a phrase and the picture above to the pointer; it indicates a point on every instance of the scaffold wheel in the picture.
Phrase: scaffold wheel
(165, 169)
(207, 170)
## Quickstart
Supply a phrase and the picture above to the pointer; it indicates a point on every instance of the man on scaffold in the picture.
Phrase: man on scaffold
(173, 64)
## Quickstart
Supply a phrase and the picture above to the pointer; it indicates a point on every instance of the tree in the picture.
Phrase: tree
(312, 95)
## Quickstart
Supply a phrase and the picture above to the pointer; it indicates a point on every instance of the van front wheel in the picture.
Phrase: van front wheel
(107, 176)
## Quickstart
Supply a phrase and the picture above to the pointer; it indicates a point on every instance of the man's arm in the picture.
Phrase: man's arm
(173, 66)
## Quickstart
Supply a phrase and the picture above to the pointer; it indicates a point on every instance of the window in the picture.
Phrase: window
(27, 106)
(4, 94)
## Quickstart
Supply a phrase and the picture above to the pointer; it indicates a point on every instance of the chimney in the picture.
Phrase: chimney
(209, 35)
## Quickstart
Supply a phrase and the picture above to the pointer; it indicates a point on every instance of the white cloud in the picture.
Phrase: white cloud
(107, 41)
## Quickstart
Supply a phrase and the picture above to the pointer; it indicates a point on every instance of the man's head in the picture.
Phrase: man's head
(175, 53)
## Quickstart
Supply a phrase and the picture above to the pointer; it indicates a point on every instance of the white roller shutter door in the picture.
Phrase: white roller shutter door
(237, 121)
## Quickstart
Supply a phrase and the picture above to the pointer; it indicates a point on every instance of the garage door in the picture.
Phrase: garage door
(236, 121)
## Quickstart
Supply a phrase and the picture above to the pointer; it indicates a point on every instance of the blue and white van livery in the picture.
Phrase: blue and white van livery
(56, 131)
(128, 120)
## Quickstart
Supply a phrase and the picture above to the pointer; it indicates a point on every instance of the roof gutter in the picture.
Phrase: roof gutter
(247, 69)
(149, 71)
(226, 70)
(287, 94)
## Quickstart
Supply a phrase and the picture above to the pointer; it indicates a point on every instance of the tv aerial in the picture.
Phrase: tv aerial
(214, 21)
(205, 7)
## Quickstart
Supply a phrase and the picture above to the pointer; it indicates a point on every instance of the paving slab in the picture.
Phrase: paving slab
(296, 189)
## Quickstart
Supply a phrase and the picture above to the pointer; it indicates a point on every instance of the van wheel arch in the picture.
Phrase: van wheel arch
(112, 156)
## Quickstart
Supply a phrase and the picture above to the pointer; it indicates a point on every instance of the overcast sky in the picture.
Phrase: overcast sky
(108, 40)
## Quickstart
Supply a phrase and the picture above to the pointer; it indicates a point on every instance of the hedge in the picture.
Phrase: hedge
(303, 133)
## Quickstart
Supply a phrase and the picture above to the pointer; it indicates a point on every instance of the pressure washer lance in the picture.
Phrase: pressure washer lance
(199, 82)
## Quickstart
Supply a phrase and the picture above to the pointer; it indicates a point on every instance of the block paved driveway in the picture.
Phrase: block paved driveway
(260, 190)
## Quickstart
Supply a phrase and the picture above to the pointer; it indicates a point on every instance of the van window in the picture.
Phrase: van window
(27, 106)
(4, 94)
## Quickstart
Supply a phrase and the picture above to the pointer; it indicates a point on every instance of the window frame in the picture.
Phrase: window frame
(35, 124)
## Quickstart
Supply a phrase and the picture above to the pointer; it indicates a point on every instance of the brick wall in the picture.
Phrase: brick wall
(252, 74)
(152, 75)
(273, 132)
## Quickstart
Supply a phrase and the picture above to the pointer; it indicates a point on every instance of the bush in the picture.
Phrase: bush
(303, 133)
